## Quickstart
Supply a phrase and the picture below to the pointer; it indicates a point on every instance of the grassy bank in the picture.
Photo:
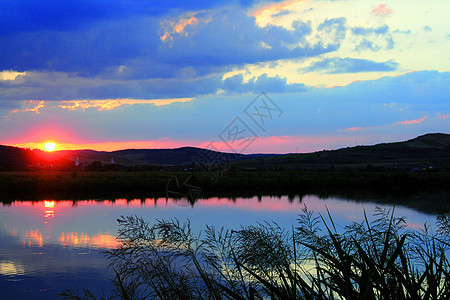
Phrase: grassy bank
(82, 185)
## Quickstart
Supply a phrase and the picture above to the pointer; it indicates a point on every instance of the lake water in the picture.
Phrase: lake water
(47, 246)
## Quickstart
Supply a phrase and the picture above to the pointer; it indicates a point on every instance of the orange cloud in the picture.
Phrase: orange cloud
(11, 75)
(414, 121)
(178, 27)
(36, 108)
(262, 14)
(382, 10)
(114, 103)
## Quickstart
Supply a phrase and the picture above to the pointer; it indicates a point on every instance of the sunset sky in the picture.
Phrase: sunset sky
(111, 75)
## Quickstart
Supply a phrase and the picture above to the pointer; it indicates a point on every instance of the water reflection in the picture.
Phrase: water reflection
(10, 268)
(48, 245)
(92, 223)
(40, 229)
(75, 239)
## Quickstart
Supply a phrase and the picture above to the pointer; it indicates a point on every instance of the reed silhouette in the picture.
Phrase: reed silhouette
(380, 259)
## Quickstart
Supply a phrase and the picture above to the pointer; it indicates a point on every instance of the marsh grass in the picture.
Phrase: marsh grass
(380, 259)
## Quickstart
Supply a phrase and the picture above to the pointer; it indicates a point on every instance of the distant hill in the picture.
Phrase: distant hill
(431, 140)
(18, 157)
(429, 150)
(14, 156)
(177, 156)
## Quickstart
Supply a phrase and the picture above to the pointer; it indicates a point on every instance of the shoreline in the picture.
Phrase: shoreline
(82, 185)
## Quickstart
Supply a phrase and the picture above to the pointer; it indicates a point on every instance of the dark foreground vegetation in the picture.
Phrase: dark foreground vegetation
(381, 259)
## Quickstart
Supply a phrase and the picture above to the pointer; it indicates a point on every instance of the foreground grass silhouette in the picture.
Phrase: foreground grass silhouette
(381, 259)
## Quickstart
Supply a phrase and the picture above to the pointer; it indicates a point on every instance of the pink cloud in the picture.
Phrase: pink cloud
(355, 128)
(441, 117)
(414, 121)
(173, 27)
(382, 10)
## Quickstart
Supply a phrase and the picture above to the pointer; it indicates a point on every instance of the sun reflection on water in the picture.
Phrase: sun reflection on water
(10, 268)
(49, 204)
(33, 238)
(81, 239)
(44, 233)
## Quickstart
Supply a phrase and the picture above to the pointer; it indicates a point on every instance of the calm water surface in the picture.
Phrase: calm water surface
(46, 246)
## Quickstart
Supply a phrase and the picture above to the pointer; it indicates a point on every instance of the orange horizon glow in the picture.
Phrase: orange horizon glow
(271, 144)
(164, 143)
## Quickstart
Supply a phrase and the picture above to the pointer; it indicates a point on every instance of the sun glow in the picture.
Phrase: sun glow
(49, 146)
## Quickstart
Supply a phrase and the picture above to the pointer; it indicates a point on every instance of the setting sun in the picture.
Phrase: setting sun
(49, 147)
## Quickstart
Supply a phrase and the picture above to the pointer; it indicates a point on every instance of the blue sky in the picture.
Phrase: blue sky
(120, 74)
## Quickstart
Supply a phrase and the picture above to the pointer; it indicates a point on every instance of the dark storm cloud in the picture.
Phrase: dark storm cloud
(29, 15)
(128, 58)
(233, 38)
(134, 49)
(59, 87)
(98, 42)
(87, 50)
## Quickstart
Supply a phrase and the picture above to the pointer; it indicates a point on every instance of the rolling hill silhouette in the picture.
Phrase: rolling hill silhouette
(429, 150)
